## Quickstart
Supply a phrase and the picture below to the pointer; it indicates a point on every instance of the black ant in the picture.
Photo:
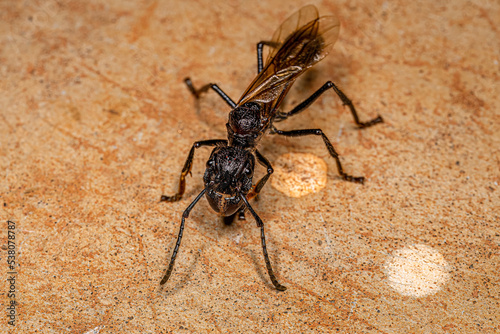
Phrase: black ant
(300, 42)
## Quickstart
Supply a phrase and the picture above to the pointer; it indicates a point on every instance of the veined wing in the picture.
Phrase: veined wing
(301, 41)
(291, 25)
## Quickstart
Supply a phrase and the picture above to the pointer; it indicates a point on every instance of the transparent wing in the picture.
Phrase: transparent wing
(302, 40)
(297, 20)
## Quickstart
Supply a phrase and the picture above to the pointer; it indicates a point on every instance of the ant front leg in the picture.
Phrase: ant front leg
(203, 89)
(329, 146)
(257, 187)
(187, 168)
(345, 100)
(260, 224)
(179, 237)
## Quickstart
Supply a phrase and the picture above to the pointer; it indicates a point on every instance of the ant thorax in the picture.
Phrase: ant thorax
(244, 126)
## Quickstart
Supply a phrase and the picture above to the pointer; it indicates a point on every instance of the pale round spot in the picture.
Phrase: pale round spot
(299, 174)
(417, 271)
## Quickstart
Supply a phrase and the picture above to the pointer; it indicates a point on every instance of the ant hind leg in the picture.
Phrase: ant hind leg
(345, 100)
(260, 46)
(203, 89)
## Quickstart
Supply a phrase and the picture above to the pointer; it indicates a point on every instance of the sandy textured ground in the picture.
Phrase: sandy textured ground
(95, 124)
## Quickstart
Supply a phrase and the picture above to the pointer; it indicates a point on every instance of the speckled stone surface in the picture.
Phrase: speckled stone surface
(96, 123)
(299, 174)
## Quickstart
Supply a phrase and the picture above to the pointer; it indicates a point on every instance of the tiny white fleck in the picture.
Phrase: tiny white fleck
(94, 331)
(238, 237)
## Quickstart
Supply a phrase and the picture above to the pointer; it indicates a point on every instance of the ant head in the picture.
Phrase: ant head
(229, 173)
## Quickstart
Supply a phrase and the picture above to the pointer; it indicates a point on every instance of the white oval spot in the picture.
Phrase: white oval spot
(299, 174)
(417, 271)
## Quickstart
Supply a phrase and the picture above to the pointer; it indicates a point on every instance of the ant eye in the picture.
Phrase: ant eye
(248, 171)
(210, 163)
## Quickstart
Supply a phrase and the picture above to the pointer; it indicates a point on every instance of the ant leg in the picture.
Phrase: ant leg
(329, 146)
(258, 187)
(197, 92)
(260, 46)
(264, 248)
(187, 168)
(179, 237)
(345, 101)
(254, 192)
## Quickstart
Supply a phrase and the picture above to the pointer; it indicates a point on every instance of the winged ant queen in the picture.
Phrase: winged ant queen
(300, 42)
